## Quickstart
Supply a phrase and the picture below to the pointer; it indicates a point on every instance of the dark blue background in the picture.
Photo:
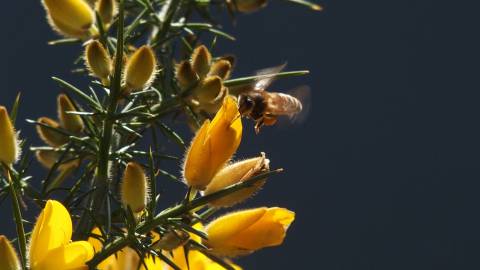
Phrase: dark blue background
(385, 172)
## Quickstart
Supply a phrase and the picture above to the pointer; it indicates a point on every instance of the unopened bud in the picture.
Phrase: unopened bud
(248, 6)
(9, 150)
(140, 68)
(236, 173)
(98, 60)
(48, 158)
(171, 240)
(72, 18)
(106, 9)
(185, 75)
(221, 68)
(209, 89)
(71, 122)
(134, 191)
(49, 135)
(8, 256)
(201, 60)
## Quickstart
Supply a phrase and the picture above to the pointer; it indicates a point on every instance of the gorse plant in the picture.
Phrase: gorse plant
(148, 65)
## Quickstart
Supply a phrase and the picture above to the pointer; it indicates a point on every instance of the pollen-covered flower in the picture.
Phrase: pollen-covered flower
(140, 69)
(8, 256)
(71, 122)
(134, 188)
(73, 18)
(213, 145)
(9, 150)
(244, 232)
(235, 173)
(98, 60)
(50, 241)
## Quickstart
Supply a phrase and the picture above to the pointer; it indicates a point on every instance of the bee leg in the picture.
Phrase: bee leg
(258, 125)
(269, 121)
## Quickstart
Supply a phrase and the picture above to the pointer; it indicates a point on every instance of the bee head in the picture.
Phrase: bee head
(245, 104)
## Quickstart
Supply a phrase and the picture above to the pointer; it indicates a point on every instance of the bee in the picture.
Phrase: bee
(265, 107)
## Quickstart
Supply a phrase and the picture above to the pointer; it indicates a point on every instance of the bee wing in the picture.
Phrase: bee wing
(264, 82)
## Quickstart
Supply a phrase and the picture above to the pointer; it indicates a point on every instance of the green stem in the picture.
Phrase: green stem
(19, 222)
(102, 173)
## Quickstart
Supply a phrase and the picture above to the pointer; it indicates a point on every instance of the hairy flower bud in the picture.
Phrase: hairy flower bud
(72, 18)
(221, 68)
(213, 145)
(106, 9)
(71, 122)
(170, 240)
(236, 173)
(9, 150)
(185, 75)
(201, 60)
(48, 158)
(134, 191)
(209, 89)
(8, 256)
(248, 6)
(98, 60)
(140, 69)
(243, 232)
(49, 135)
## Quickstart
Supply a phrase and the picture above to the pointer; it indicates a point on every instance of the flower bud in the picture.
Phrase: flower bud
(8, 256)
(98, 60)
(71, 122)
(72, 18)
(213, 145)
(201, 60)
(48, 135)
(243, 232)
(134, 191)
(140, 69)
(236, 173)
(248, 6)
(209, 89)
(170, 240)
(185, 75)
(106, 9)
(221, 68)
(9, 150)
(48, 158)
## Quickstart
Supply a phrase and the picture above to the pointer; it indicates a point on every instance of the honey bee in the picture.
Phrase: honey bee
(265, 107)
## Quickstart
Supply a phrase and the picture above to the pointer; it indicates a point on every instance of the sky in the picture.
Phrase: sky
(383, 174)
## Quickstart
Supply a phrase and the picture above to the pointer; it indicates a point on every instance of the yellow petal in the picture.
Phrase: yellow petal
(9, 151)
(69, 257)
(213, 146)
(52, 230)
(75, 16)
(8, 256)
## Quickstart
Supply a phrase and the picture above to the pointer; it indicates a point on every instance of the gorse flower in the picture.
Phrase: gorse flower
(8, 256)
(134, 189)
(246, 231)
(50, 245)
(72, 18)
(9, 150)
(213, 145)
(235, 173)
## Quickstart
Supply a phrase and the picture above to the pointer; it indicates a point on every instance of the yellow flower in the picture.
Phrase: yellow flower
(98, 60)
(140, 69)
(9, 151)
(213, 145)
(235, 173)
(8, 256)
(72, 18)
(71, 122)
(134, 189)
(246, 231)
(50, 245)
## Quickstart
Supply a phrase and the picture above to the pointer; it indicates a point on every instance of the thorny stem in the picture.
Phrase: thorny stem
(18, 221)
(102, 173)
(178, 210)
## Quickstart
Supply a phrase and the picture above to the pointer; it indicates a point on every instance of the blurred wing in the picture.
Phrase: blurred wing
(303, 94)
(264, 83)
